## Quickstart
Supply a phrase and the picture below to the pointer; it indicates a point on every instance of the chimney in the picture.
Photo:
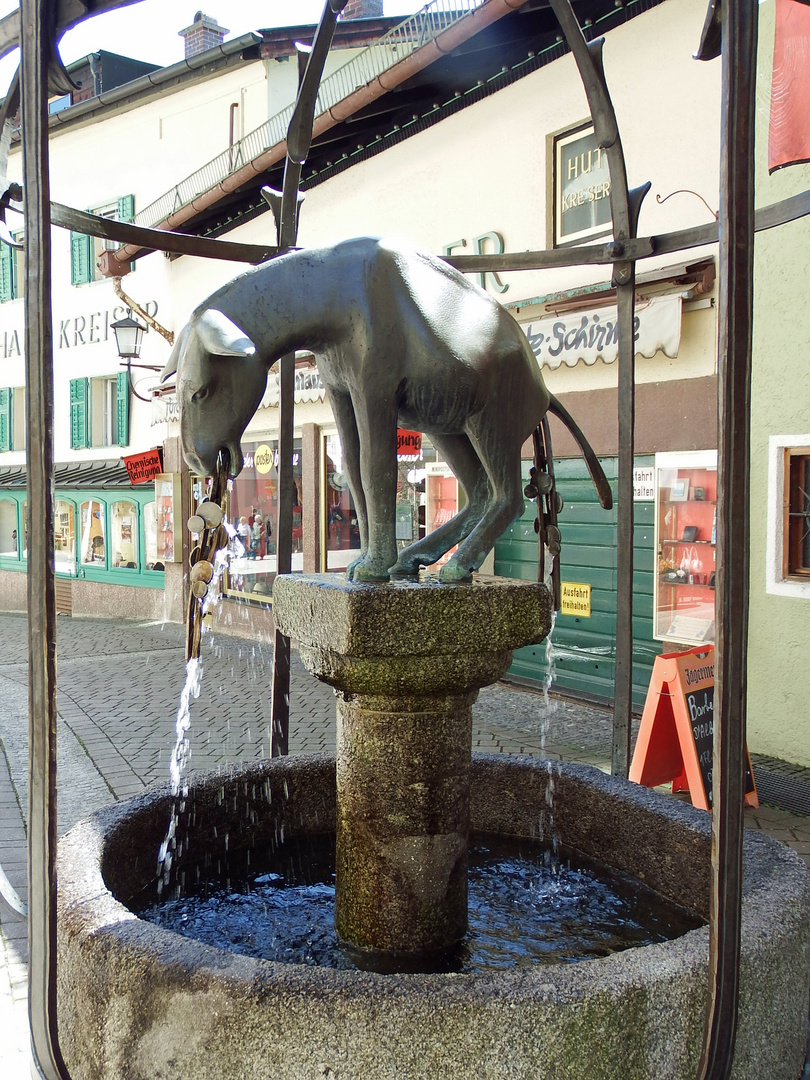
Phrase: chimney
(363, 9)
(204, 33)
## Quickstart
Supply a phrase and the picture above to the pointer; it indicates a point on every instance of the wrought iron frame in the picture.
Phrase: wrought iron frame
(42, 22)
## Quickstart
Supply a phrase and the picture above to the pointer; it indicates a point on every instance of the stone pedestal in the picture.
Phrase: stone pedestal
(407, 659)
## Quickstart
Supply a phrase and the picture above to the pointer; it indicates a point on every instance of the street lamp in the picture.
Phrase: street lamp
(128, 336)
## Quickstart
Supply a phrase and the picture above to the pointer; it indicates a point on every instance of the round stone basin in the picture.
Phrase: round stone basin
(135, 1000)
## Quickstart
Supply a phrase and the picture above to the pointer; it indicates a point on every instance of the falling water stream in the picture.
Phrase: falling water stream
(181, 752)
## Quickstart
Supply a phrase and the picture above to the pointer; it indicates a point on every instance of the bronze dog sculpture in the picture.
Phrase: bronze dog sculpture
(399, 338)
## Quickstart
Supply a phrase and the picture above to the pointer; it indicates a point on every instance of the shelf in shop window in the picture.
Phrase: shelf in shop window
(690, 542)
(683, 584)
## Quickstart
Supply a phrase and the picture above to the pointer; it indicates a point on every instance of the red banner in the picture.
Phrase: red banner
(789, 135)
(144, 467)
(409, 444)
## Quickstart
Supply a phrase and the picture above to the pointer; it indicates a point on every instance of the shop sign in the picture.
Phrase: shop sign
(409, 445)
(644, 485)
(581, 187)
(165, 408)
(263, 459)
(594, 335)
(575, 599)
(308, 386)
(144, 467)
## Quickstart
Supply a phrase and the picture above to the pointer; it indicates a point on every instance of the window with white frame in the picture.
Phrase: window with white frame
(788, 541)
(99, 411)
(12, 270)
(85, 250)
(12, 418)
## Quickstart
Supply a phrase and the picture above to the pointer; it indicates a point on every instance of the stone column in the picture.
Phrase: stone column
(407, 659)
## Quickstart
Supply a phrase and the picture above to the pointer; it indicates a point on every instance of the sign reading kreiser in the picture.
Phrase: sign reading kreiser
(581, 187)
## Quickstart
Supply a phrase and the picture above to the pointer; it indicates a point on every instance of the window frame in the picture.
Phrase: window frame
(85, 250)
(796, 508)
(83, 423)
(782, 577)
(12, 270)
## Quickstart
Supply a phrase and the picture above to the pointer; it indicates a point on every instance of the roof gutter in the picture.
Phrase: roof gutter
(467, 27)
(156, 79)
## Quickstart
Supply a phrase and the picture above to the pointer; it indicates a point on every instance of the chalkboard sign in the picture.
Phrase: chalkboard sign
(676, 737)
(700, 705)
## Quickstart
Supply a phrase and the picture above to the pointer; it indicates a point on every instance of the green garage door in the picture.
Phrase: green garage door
(583, 648)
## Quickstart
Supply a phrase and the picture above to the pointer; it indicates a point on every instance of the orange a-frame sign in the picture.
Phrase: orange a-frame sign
(675, 741)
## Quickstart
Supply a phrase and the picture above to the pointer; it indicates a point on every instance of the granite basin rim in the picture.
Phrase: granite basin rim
(102, 945)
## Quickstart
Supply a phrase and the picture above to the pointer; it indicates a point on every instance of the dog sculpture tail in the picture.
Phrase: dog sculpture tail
(594, 468)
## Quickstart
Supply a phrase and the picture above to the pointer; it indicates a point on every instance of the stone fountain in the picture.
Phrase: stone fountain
(138, 1001)
(406, 657)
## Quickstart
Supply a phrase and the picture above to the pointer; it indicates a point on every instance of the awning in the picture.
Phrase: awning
(593, 334)
(74, 474)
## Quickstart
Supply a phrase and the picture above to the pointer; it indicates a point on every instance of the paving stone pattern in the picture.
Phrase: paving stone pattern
(119, 687)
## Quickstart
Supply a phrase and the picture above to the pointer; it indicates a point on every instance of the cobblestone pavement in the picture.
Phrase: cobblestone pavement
(118, 691)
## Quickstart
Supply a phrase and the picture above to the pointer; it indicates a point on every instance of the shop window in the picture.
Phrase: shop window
(580, 186)
(685, 539)
(342, 533)
(150, 537)
(92, 547)
(124, 535)
(99, 411)
(64, 537)
(86, 250)
(253, 507)
(25, 521)
(9, 545)
(12, 418)
(12, 271)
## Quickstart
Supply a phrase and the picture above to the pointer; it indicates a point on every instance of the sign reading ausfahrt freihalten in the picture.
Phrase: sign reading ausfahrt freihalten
(575, 599)
(676, 738)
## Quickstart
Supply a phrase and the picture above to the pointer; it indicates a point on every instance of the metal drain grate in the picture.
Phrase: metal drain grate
(789, 793)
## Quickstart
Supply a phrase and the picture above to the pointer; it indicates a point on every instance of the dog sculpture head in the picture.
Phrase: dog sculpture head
(220, 382)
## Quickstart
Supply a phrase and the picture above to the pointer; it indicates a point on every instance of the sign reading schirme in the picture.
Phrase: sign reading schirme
(594, 335)
(676, 737)
(575, 599)
(144, 467)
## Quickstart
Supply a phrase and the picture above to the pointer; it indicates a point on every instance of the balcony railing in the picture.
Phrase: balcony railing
(411, 34)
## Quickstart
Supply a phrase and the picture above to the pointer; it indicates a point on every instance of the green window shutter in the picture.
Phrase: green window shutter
(126, 208)
(80, 254)
(6, 398)
(123, 408)
(78, 414)
(6, 273)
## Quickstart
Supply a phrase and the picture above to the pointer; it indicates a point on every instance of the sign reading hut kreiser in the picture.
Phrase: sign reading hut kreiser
(676, 737)
(581, 187)
(594, 335)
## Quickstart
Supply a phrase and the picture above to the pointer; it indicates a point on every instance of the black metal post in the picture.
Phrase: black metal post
(299, 137)
(36, 48)
(739, 35)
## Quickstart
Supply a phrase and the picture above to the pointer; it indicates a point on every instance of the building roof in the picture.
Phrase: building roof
(74, 474)
(516, 44)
